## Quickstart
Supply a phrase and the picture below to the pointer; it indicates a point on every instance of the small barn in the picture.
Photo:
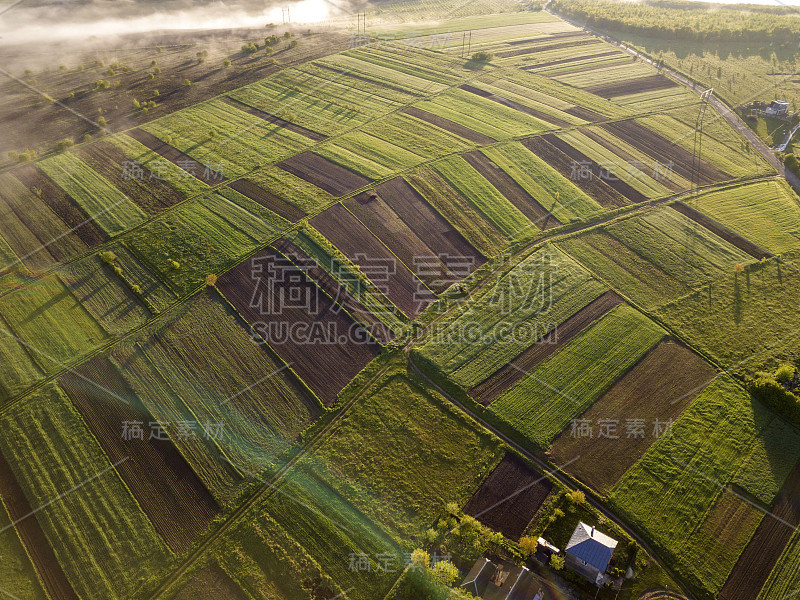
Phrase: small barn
(589, 552)
(777, 108)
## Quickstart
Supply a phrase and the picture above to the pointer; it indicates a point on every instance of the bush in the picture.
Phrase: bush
(249, 48)
(293, 43)
(577, 498)
(101, 121)
(187, 83)
(118, 270)
(175, 264)
(64, 144)
(528, 545)
(785, 373)
(557, 562)
(226, 63)
(108, 257)
(482, 56)
(287, 35)
(772, 393)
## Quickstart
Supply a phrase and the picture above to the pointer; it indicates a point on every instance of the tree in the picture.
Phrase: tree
(557, 562)
(576, 497)
(445, 572)
(528, 545)
(482, 56)
(784, 374)
(211, 280)
(226, 63)
(738, 269)
(101, 121)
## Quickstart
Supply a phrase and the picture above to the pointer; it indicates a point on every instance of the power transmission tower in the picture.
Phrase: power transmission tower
(697, 150)
(286, 16)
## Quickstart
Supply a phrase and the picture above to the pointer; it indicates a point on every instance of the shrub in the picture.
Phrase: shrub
(151, 76)
(101, 121)
(249, 48)
(287, 35)
(64, 144)
(557, 562)
(108, 257)
(211, 280)
(118, 270)
(772, 393)
(445, 572)
(293, 43)
(785, 373)
(136, 289)
(226, 63)
(175, 264)
(187, 83)
(482, 56)
(577, 497)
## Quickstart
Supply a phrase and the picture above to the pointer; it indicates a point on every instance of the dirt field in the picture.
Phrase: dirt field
(175, 156)
(62, 205)
(509, 497)
(666, 152)
(586, 114)
(605, 195)
(150, 194)
(765, 547)
(33, 538)
(323, 345)
(515, 105)
(312, 135)
(268, 200)
(513, 191)
(720, 230)
(499, 382)
(555, 46)
(361, 246)
(173, 497)
(642, 393)
(448, 125)
(639, 85)
(334, 179)
(335, 290)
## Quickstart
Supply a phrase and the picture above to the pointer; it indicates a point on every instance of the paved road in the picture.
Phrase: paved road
(720, 106)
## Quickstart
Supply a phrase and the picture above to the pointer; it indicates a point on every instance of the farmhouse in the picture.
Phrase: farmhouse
(589, 552)
(504, 581)
(777, 108)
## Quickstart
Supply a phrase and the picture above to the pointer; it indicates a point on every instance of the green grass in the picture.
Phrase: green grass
(784, 580)
(294, 190)
(244, 214)
(767, 213)
(106, 205)
(102, 539)
(210, 361)
(104, 295)
(542, 404)
(156, 293)
(475, 340)
(242, 142)
(553, 191)
(484, 197)
(368, 155)
(668, 493)
(18, 367)
(772, 457)
(198, 237)
(739, 317)
(52, 325)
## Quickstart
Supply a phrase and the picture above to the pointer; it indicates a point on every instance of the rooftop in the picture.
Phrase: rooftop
(591, 546)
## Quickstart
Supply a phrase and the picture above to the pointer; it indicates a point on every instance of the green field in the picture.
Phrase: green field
(100, 200)
(767, 213)
(668, 493)
(294, 190)
(369, 155)
(203, 237)
(542, 404)
(772, 457)
(476, 339)
(740, 318)
(18, 575)
(421, 138)
(655, 258)
(104, 542)
(104, 295)
(784, 580)
(59, 334)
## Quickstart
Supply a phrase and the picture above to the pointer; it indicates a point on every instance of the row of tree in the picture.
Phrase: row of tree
(683, 20)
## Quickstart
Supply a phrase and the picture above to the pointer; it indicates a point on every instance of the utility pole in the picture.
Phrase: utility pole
(285, 15)
(469, 44)
(463, 43)
(697, 150)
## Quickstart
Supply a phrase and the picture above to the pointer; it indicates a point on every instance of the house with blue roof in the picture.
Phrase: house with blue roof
(589, 552)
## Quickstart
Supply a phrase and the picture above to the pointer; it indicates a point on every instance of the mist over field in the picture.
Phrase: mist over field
(37, 21)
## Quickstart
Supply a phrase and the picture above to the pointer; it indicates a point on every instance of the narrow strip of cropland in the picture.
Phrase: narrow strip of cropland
(448, 125)
(175, 156)
(323, 173)
(270, 118)
(515, 105)
(638, 85)
(268, 200)
(721, 231)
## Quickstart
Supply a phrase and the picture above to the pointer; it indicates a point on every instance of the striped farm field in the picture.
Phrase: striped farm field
(17, 571)
(368, 155)
(670, 494)
(33, 235)
(101, 537)
(484, 197)
(415, 135)
(766, 212)
(471, 346)
(104, 203)
(229, 138)
(290, 189)
(207, 355)
(581, 371)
